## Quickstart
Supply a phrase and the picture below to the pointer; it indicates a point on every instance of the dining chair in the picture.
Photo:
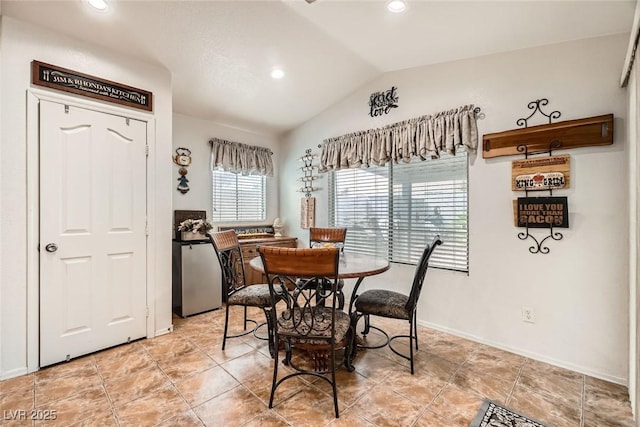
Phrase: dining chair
(328, 237)
(390, 304)
(238, 293)
(301, 324)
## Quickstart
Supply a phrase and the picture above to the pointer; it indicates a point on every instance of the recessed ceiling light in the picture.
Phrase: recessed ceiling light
(277, 73)
(98, 4)
(396, 6)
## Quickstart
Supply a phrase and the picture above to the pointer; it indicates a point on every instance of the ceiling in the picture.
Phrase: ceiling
(220, 53)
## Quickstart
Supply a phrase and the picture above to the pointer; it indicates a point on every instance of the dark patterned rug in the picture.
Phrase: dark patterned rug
(492, 414)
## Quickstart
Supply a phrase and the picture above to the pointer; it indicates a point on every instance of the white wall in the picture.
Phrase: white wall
(579, 292)
(20, 44)
(195, 134)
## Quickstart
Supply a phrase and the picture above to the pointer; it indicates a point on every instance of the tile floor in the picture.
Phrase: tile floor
(185, 379)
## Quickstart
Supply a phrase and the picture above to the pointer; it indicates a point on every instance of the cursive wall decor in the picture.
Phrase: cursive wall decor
(382, 102)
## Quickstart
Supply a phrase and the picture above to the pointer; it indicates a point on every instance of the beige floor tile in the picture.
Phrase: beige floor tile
(349, 418)
(232, 350)
(184, 419)
(267, 419)
(16, 400)
(101, 419)
(599, 419)
(187, 364)
(544, 408)
(605, 397)
(248, 365)
(167, 346)
(492, 387)
(455, 405)
(81, 366)
(351, 386)
(21, 382)
(260, 384)
(157, 406)
(118, 365)
(202, 386)
(308, 407)
(374, 366)
(126, 388)
(435, 366)
(496, 363)
(421, 387)
(59, 388)
(79, 407)
(431, 419)
(556, 382)
(232, 408)
(384, 407)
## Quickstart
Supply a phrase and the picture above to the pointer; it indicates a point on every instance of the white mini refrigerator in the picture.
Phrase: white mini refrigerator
(197, 279)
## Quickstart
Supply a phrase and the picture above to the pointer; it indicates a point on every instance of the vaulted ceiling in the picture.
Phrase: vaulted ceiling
(221, 53)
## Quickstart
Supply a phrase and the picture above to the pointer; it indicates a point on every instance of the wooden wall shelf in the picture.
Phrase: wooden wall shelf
(592, 131)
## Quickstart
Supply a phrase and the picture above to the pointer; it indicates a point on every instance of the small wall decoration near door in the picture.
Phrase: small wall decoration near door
(182, 159)
(382, 102)
(66, 80)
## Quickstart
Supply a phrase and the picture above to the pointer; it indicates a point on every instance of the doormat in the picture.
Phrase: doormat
(492, 414)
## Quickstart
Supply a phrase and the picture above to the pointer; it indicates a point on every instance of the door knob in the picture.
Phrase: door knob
(51, 247)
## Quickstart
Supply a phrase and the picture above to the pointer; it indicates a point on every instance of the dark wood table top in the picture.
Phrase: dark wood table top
(352, 265)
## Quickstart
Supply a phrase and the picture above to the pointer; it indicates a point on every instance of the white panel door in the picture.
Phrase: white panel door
(92, 231)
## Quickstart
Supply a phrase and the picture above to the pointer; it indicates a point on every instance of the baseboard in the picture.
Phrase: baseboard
(530, 355)
(13, 373)
(163, 331)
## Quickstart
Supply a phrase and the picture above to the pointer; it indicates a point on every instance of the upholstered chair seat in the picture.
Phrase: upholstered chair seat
(252, 296)
(378, 302)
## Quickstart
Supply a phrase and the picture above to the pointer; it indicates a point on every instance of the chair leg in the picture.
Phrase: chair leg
(340, 296)
(226, 326)
(411, 339)
(365, 331)
(275, 379)
(273, 346)
(245, 317)
(333, 382)
(415, 327)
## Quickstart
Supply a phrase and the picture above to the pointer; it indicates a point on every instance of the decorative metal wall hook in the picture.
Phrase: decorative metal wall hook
(538, 247)
(535, 106)
(307, 178)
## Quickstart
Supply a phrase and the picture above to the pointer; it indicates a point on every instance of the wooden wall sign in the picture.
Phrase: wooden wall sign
(308, 212)
(587, 132)
(542, 212)
(543, 173)
(66, 80)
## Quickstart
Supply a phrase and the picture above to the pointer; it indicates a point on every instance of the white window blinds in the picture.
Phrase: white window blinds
(238, 197)
(395, 210)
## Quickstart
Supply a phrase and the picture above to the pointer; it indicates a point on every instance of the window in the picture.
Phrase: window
(395, 210)
(238, 197)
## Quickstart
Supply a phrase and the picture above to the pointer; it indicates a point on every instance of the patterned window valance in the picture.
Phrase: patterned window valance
(240, 158)
(423, 137)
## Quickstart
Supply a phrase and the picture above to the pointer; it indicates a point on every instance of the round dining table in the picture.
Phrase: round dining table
(352, 265)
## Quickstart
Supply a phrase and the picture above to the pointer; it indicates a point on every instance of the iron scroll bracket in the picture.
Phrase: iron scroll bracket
(538, 246)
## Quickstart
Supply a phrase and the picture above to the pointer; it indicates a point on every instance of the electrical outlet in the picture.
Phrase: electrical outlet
(528, 315)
